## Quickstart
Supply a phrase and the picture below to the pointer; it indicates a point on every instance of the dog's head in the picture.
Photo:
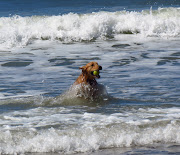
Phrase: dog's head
(91, 70)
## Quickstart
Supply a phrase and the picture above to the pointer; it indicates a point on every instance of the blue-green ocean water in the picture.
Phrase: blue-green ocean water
(42, 46)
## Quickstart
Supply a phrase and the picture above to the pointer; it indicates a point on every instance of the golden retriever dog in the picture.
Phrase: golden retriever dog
(85, 88)
(87, 76)
(86, 85)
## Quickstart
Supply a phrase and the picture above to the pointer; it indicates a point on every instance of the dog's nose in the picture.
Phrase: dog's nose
(100, 67)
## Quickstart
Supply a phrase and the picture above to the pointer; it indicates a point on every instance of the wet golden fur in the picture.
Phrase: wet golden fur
(87, 77)
(86, 84)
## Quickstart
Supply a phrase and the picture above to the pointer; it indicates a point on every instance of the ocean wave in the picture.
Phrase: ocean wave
(21, 31)
(39, 125)
(87, 132)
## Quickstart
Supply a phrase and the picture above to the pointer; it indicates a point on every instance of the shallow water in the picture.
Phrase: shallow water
(141, 79)
(40, 58)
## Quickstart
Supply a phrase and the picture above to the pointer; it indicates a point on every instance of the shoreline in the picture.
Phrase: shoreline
(160, 149)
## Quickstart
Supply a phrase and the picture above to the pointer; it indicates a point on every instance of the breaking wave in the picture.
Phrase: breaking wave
(21, 31)
(65, 131)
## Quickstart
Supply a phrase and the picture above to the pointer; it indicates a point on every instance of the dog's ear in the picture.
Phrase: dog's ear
(83, 69)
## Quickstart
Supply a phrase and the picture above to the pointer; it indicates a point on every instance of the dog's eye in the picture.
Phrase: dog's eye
(92, 65)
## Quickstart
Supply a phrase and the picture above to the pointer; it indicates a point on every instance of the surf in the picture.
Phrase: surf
(81, 129)
(17, 31)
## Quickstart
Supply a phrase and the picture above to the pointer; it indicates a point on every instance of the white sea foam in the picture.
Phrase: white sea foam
(20, 31)
(80, 131)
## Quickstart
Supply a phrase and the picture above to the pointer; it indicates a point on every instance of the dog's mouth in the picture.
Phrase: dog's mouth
(96, 73)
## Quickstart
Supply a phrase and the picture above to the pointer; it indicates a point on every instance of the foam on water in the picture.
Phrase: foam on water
(77, 130)
(21, 31)
(140, 71)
